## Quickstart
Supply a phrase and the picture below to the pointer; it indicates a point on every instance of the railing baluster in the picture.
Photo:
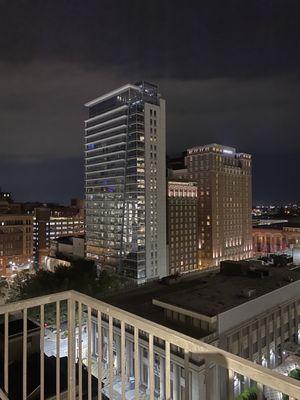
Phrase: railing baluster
(3, 395)
(123, 358)
(186, 375)
(167, 374)
(260, 392)
(207, 380)
(80, 350)
(230, 385)
(57, 350)
(89, 330)
(151, 368)
(71, 350)
(136, 364)
(6, 346)
(110, 356)
(42, 359)
(24, 353)
(99, 356)
(228, 361)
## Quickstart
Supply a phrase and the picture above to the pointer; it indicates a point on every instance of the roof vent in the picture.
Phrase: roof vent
(248, 293)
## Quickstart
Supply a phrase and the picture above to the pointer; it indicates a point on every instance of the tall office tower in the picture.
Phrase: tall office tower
(125, 181)
(182, 226)
(225, 202)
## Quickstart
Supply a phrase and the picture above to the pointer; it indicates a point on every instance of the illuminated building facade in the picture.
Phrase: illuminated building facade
(225, 202)
(51, 224)
(125, 181)
(16, 244)
(268, 239)
(5, 196)
(182, 226)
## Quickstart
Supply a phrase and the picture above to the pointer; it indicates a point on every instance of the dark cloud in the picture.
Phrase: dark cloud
(42, 179)
(228, 69)
(196, 39)
(276, 178)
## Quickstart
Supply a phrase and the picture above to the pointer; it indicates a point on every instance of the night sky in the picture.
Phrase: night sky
(229, 71)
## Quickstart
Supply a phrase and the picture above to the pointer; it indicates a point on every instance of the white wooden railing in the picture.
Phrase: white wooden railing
(87, 311)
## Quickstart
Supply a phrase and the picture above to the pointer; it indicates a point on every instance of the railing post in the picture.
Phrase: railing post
(136, 364)
(89, 354)
(259, 344)
(186, 375)
(267, 333)
(42, 350)
(57, 350)
(168, 371)
(260, 391)
(6, 346)
(230, 385)
(151, 368)
(25, 354)
(123, 359)
(296, 320)
(71, 350)
(207, 380)
(99, 324)
(111, 356)
(79, 351)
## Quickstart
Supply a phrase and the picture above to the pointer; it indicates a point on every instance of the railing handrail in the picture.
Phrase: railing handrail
(221, 357)
(35, 302)
(3, 396)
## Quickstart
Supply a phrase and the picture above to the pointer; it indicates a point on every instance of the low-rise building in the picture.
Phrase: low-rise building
(50, 224)
(253, 316)
(69, 246)
(63, 250)
(163, 342)
(267, 240)
(16, 244)
(270, 239)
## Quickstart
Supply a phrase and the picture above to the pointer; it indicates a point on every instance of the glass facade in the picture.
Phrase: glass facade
(115, 179)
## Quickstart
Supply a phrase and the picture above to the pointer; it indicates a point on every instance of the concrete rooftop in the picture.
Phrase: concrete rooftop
(205, 293)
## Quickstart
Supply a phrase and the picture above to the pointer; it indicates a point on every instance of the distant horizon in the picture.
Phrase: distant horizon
(65, 179)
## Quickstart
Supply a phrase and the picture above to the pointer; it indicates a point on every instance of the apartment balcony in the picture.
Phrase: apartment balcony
(101, 354)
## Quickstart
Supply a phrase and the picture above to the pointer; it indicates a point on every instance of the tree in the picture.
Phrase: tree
(3, 287)
(248, 394)
(82, 276)
(294, 373)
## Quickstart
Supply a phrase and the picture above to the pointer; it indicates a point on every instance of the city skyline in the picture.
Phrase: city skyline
(227, 80)
(149, 200)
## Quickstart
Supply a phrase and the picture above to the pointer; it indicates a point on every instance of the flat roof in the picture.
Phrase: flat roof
(64, 240)
(9, 215)
(204, 293)
(217, 148)
(67, 239)
(111, 94)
